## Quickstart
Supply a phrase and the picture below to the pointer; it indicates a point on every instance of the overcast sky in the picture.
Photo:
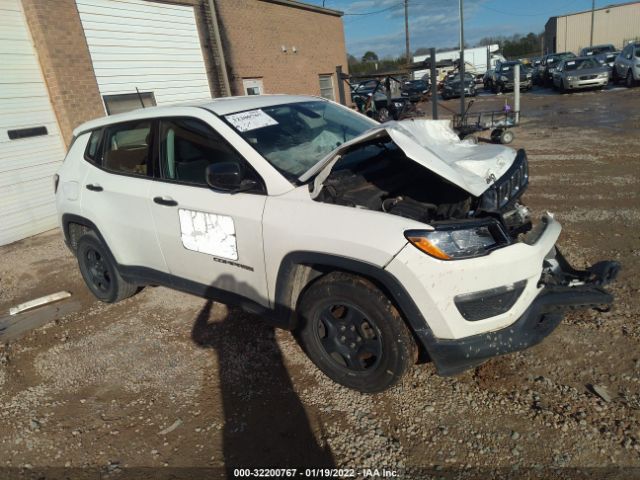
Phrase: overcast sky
(434, 23)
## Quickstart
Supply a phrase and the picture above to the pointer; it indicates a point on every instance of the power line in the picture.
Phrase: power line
(375, 12)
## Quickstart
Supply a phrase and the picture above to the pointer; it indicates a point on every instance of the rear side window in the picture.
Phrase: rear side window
(126, 148)
(92, 153)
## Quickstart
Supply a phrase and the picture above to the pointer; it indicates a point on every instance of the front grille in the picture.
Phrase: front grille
(588, 77)
(488, 303)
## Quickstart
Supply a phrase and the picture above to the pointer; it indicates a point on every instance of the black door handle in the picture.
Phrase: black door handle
(167, 202)
(94, 188)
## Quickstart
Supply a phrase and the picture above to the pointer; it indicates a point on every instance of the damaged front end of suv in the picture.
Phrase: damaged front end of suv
(469, 197)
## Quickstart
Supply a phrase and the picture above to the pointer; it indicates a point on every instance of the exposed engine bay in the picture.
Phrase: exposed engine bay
(377, 175)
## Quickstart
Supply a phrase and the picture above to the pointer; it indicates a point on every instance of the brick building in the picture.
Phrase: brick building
(67, 61)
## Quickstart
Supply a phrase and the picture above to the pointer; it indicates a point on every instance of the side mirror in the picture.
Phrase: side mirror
(228, 177)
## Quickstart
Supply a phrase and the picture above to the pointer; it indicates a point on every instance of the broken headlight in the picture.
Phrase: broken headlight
(459, 240)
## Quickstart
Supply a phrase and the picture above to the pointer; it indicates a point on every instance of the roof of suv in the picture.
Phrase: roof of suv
(219, 106)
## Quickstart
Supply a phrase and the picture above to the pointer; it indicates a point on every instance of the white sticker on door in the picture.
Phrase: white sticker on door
(208, 233)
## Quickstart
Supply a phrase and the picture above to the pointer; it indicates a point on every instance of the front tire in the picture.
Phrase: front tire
(628, 81)
(354, 334)
(100, 272)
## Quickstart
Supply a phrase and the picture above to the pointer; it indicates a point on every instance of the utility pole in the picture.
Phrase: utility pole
(462, 99)
(406, 30)
(593, 11)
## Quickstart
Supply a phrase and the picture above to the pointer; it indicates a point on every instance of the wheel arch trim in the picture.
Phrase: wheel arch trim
(318, 262)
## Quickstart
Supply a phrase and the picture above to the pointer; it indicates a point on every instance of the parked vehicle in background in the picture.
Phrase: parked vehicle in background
(549, 64)
(453, 87)
(627, 66)
(415, 90)
(579, 73)
(606, 55)
(504, 80)
(487, 78)
(371, 100)
(597, 50)
(370, 242)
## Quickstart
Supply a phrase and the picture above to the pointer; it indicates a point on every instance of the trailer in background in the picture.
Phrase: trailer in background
(476, 60)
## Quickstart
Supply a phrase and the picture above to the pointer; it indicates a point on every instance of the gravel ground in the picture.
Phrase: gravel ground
(168, 382)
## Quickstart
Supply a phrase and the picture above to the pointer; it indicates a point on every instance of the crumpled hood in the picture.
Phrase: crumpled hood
(434, 145)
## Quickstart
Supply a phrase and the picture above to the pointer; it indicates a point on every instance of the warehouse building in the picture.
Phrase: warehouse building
(64, 62)
(614, 24)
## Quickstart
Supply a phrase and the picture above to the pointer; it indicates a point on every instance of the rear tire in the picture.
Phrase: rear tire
(354, 334)
(99, 272)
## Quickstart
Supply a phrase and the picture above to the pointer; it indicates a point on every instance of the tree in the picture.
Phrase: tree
(370, 57)
(421, 51)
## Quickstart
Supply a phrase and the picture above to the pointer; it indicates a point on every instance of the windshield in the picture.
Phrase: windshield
(600, 49)
(581, 64)
(559, 56)
(506, 67)
(295, 136)
(456, 77)
(415, 84)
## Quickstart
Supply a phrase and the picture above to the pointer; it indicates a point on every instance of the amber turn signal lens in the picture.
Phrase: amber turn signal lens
(428, 247)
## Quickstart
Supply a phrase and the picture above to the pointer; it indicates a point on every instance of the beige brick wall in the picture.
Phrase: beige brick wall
(65, 61)
(253, 33)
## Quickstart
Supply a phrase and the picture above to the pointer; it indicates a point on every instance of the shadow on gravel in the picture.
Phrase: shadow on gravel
(265, 422)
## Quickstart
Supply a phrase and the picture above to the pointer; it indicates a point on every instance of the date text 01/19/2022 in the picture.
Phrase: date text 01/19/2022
(314, 473)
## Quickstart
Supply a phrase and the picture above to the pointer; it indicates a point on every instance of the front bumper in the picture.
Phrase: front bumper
(524, 85)
(543, 315)
(590, 83)
(548, 284)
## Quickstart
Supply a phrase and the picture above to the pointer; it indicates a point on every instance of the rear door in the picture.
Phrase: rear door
(209, 237)
(116, 195)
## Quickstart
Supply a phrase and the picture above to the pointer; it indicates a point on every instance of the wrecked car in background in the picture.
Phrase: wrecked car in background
(371, 242)
(502, 79)
(453, 86)
(580, 73)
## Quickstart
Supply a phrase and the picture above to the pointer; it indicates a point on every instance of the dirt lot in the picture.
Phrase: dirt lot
(94, 388)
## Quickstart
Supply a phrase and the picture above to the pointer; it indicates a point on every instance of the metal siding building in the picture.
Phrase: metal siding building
(63, 62)
(615, 24)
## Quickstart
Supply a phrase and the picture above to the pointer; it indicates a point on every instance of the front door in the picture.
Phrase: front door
(212, 238)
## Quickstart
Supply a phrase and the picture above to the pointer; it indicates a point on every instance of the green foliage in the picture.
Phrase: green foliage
(370, 57)
(516, 46)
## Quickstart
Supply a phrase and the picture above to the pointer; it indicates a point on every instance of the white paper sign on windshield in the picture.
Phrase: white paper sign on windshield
(250, 120)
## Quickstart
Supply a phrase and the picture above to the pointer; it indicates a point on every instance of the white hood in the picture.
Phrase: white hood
(434, 145)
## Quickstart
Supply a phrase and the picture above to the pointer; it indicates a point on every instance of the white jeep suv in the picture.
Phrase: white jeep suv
(372, 242)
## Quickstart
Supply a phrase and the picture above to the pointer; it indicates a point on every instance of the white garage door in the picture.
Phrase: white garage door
(151, 46)
(31, 148)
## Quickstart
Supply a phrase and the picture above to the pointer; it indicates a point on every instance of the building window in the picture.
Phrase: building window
(128, 101)
(326, 87)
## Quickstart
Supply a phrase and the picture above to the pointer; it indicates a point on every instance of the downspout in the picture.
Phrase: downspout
(216, 33)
